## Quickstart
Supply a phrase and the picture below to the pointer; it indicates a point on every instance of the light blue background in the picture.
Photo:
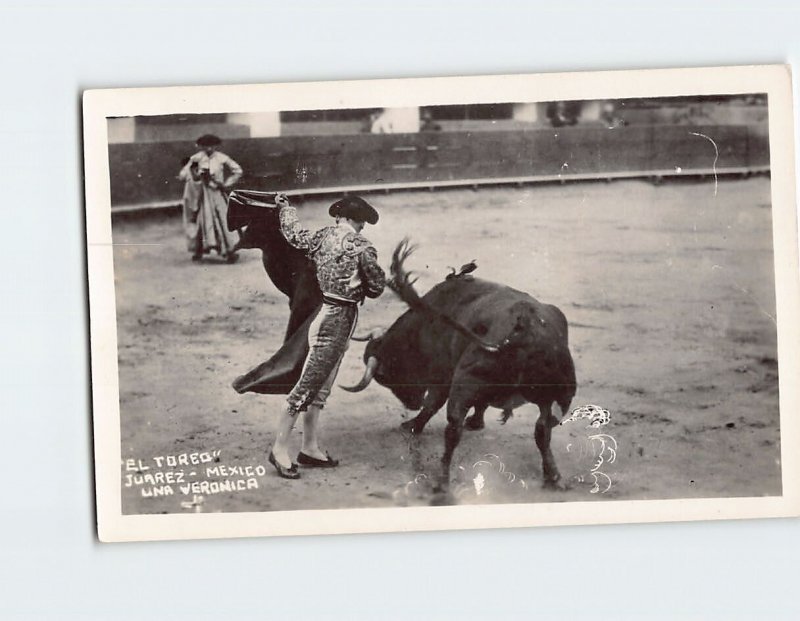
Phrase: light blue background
(51, 565)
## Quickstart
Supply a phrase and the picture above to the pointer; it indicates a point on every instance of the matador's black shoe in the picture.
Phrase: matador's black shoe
(313, 462)
(285, 473)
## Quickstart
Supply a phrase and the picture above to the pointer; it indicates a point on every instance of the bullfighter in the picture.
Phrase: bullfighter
(347, 271)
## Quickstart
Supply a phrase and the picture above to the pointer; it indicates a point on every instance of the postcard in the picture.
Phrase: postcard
(443, 303)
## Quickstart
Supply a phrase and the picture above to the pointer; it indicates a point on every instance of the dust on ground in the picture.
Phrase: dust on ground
(669, 292)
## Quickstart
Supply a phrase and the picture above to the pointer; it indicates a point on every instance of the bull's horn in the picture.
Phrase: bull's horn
(369, 373)
(372, 334)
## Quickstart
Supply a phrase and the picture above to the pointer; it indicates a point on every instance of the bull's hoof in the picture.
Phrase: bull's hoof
(411, 427)
(556, 484)
(474, 423)
(441, 494)
(442, 498)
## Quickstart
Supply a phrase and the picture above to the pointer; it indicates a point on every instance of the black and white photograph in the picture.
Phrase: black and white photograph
(400, 310)
(442, 303)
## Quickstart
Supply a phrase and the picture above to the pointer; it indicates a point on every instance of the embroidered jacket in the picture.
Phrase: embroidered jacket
(346, 262)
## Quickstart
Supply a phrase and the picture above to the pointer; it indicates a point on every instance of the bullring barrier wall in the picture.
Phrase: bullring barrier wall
(145, 174)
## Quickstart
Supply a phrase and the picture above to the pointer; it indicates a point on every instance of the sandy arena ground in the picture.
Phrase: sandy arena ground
(670, 296)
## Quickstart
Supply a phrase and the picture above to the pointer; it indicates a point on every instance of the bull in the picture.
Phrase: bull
(471, 344)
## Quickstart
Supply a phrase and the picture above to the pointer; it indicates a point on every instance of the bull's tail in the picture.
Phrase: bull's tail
(402, 283)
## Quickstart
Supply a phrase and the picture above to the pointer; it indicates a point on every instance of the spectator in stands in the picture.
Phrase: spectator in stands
(209, 174)
(427, 124)
(382, 124)
(561, 114)
(369, 121)
(609, 116)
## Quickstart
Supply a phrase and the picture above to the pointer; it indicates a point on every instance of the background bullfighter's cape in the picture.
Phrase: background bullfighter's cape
(292, 273)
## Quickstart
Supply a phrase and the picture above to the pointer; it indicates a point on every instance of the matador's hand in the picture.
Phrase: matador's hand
(281, 200)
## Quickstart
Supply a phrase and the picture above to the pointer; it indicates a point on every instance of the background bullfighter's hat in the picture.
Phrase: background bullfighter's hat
(208, 140)
(355, 208)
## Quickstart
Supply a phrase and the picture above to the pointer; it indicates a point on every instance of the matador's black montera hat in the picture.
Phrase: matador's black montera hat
(355, 208)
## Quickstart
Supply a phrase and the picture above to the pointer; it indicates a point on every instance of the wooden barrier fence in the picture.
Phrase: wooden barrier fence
(145, 174)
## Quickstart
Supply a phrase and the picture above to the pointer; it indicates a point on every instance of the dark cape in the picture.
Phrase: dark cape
(255, 215)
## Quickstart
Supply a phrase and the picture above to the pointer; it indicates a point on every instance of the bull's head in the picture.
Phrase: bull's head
(400, 372)
(387, 363)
